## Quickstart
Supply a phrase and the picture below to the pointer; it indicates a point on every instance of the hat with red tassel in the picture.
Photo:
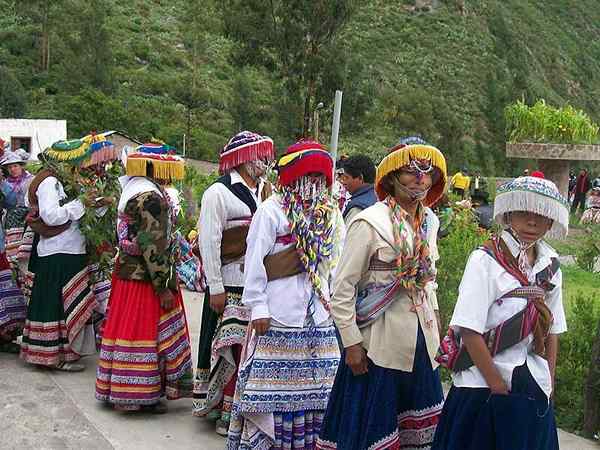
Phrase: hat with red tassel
(244, 147)
(302, 158)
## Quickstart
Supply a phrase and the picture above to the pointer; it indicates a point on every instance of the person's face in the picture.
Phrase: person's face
(529, 226)
(15, 170)
(582, 173)
(414, 181)
(351, 183)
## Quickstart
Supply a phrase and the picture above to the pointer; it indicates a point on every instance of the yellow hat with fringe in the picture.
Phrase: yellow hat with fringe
(166, 165)
(401, 155)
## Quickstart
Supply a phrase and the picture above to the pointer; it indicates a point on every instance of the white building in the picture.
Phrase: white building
(33, 135)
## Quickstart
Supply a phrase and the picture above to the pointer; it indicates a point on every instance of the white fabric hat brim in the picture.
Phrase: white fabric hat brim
(536, 195)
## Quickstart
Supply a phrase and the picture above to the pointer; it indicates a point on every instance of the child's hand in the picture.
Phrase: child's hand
(499, 388)
(356, 359)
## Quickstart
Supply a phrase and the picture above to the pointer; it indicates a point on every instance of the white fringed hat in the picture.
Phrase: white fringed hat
(19, 156)
(536, 195)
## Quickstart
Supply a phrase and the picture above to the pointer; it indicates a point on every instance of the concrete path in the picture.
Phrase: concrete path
(41, 409)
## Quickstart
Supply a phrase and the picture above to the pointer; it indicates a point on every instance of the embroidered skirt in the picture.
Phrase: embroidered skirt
(385, 408)
(13, 307)
(58, 327)
(14, 224)
(145, 352)
(221, 341)
(473, 419)
(591, 215)
(283, 388)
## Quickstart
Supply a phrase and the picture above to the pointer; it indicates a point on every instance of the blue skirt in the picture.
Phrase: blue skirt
(384, 408)
(473, 419)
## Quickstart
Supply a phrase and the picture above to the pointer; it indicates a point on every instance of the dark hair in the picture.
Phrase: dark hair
(360, 165)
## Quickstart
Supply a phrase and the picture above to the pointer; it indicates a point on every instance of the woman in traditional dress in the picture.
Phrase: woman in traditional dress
(292, 354)
(387, 392)
(13, 307)
(503, 338)
(592, 212)
(59, 329)
(145, 352)
(16, 183)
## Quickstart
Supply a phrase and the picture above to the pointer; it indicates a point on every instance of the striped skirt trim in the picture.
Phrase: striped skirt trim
(13, 307)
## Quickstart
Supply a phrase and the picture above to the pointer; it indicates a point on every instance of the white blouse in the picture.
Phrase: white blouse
(285, 300)
(220, 210)
(484, 281)
(71, 241)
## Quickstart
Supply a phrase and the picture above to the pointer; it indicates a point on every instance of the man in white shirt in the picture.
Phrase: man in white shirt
(226, 211)
(292, 355)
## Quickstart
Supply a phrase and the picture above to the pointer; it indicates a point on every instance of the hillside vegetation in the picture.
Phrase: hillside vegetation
(166, 68)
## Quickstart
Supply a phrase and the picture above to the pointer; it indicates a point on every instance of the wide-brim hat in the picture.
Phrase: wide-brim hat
(19, 156)
(401, 156)
(90, 150)
(302, 158)
(166, 164)
(244, 147)
(536, 195)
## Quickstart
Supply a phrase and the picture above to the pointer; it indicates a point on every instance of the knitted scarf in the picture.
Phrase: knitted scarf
(413, 266)
(308, 207)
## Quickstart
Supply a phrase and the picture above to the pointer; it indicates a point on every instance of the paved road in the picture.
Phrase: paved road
(41, 409)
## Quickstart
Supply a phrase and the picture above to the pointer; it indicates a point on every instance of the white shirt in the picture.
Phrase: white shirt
(71, 241)
(286, 299)
(485, 281)
(218, 208)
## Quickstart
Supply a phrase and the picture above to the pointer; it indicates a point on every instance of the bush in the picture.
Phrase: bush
(588, 251)
(464, 237)
(574, 359)
(544, 123)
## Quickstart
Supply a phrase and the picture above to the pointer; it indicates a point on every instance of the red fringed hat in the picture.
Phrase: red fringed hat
(244, 147)
(302, 158)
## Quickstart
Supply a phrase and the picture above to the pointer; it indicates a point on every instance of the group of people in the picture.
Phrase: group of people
(585, 195)
(320, 326)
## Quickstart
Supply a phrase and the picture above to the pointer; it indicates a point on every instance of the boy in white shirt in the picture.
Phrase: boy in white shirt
(503, 337)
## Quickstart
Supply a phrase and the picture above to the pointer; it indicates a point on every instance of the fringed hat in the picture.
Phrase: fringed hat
(408, 150)
(166, 165)
(244, 147)
(90, 150)
(536, 195)
(302, 158)
(19, 156)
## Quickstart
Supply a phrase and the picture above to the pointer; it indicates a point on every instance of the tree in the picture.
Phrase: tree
(12, 95)
(297, 38)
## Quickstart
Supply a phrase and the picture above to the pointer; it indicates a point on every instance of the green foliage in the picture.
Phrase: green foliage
(583, 314)
(588, 249)
(12, 95)
(544, 123)
(206, 69)
(464, 237)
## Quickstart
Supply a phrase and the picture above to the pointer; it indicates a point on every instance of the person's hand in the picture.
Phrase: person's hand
(261, 326)
(499, 388)
(167, 299)
(356, 359)
(217, 302)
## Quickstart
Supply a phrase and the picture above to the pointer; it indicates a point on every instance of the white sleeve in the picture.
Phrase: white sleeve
(431, 287)
(476, 294)
(212, 221)
(555, 303)
(260, 241)
(49, 204)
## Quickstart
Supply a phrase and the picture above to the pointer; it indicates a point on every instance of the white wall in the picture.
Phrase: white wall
(43, 132)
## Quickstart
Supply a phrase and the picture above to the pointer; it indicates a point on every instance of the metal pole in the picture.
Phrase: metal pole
(335, 128)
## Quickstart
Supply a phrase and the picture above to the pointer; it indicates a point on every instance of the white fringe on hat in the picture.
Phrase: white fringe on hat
(19, 156)
(536, 195)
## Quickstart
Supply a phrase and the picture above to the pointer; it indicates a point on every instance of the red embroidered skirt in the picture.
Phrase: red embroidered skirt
(145, 352)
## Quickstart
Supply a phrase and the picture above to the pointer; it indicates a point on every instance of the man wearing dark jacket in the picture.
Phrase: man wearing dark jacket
(358, 178)
(582, 186)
